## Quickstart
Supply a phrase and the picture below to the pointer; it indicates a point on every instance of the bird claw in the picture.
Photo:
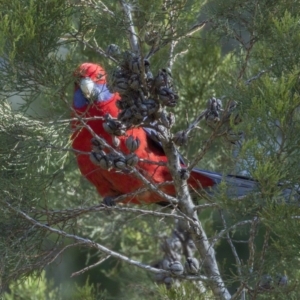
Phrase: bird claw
(109, 201)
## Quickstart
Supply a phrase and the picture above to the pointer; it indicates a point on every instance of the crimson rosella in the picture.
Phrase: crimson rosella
(93, 99)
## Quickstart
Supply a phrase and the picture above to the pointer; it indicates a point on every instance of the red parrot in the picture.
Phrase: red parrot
(93, 99)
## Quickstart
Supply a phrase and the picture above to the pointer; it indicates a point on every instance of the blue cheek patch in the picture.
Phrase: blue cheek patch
(102, 93)
(79, 100)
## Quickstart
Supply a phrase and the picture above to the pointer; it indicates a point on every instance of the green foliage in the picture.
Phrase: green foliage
(26, 172)
(249, 54)
(42, 288)
(31, 288)
(28, 22)
(32, 27)
(201, 74)
(185, 290)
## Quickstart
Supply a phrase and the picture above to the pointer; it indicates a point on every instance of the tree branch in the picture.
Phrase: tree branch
(131, 30)
(86, 242)
(195, 228)
(76, 212)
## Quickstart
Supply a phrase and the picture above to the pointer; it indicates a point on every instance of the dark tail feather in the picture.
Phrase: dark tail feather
(238, 186)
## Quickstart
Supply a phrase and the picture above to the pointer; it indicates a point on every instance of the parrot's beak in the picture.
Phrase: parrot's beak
(87, 86)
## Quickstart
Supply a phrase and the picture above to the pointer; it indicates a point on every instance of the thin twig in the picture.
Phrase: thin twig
(74, 120)
(86, 242)
(67, 149)
(175, 40)
(195, 28)
(63, 250)
(247, 82)
(212, 137)
(262, 260)
(91, 266)
(251, 247)
(94, 4)
(204, 206)
(204, 149)
(151, 162)
(234, 252)
(196, 121)
(240, 241)
(228, 229)
(238, 292)
(177, 55)
(76, 212)
(233, 249)
(96, 49)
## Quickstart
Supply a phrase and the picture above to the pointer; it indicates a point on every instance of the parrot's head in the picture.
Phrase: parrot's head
(90, 85)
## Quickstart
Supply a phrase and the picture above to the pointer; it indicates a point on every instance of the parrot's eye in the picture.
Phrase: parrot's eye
(99, 76)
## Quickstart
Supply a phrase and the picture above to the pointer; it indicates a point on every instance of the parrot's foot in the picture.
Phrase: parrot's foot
(109, 201)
